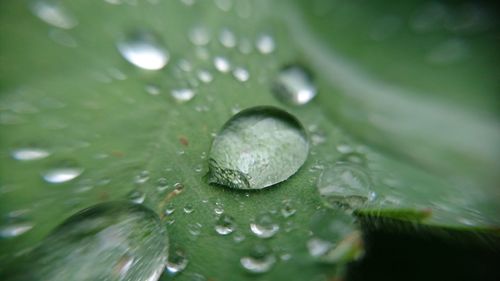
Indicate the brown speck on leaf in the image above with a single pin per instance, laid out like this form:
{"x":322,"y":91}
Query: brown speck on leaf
{"x":178,"y":190}
{"x":183,"y":140}
{"x":117,"y":153}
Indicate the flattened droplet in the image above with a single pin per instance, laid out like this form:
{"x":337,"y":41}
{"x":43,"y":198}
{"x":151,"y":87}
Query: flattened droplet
{"x":29,"y":153}
{"x":294,"y":85}
{"x":63,"y":171}
{"x":53,"y":13}
{"x":257,"y":148}
{"x":144,"y":50}
{"x":108,"y":241}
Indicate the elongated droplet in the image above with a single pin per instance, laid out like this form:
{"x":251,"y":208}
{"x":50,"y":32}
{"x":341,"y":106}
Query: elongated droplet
{"x":144,"y":50}
{"x":294,"y":85}
{"x":108,"y":241}
{"x":53,"y":13}
{"x":29,"y":154}
{"x":345,"y":185}
{"x":257,"y":148}
{"x":61,"y":172}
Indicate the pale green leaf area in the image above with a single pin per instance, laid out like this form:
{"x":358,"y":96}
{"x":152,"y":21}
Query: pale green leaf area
{"x":425,"y":127}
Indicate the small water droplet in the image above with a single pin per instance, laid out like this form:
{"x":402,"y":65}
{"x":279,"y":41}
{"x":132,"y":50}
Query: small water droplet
{"x":53,"y":13}
{"x":294,"y":85}
{"x":144,"y":50}
{"x":195,"y":228}
{"x":345,"y":185}
{"x":184,"y":65}
{"x":245,"y":46}
{"x":265,"y":44}
{"x":29,"y":153}
{"x":136,"y":196}
{"x":170,"y":209}
{"x":199,"y":35}
{"x":62,"y":171}
{"x":177,"y":261}
{"x":287,"y":210}
{"x":238,"y":237}
{"x":257,"y":148}
{"x":224,"y":5}
{"x":152,"y":89}
{"x":241,"y":74}
{"x":108,"y":241}
{"x":264,"y":226}
{"x":219,"y":208}
{"x":227,"y":38}
{"x":260,"y":260}
{"x":225,"y":225}
{"x":183,"y":95}
{"x":62,"y":38}
{"x":142,"y":177}
{"x":449,"y":51}
{"x":188,"y":209}
{"x":11,"y":230}
{"x":205,"y":76}
{"x":222,"y":64}
{"x":318,"y":247}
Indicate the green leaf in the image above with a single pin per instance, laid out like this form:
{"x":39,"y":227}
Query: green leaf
{"x":421,"y":124}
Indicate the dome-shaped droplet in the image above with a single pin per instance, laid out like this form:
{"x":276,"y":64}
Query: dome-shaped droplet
{"x":144,"y":50}
{"x":62,"y":171}
{"x":108,"y":241}
{"x":177,"y":261}
{"x":53,"y":13}
{"x":264,"y":226}
{"x":265,"y":44}
{"x":225,"y":225}
{"x":345,"y":185}
{"x":260,"y":260}
{"x":294,"y":85}
{"x":257,"y":148}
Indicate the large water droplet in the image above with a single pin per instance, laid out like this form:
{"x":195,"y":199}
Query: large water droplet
{"x":29,"y":153}
{"x":257,"y":148}
{"x":61,"y":172}
{"x":109,"y":241}
{"x":264,"y":226}
{"x":144,"y":50}
{"x":225,"y":225}
{"x":345,"y":185}
{"x":53,"y":13}
{"x":294,"y":85}
{"x":260,"y":260}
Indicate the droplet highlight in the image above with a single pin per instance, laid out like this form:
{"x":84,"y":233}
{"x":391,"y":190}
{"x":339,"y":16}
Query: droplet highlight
{"x":144,"y":50}
{"x":294,"y":85}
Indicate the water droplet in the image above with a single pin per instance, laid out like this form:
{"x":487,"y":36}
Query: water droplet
{"x":265,"y":44}
{"x":144,"y":50}
{"x":345,"y":185}
{"x":29,"y":153}
{"x":182,"y":95}
{"x":142,"y":177}
{"x":238,"y":237}
{"x":222,"y":64}
{"x":62,"y":38}
{"x":108,"y":241}
{"x":61,"y":172}
{"x":264,"y":226}
{"x":225,"y":225}
{"x":188,"y":209}
{"x":219,"y":208}
{"x":195,"y":228}
{"x":287,"y":210}
{"x":449,"y":51}
{"x":152,"y":89}
{"x":11,"y":230}
{"x":227,"y":38}
{"x":170,"y":209}
{"x":53,"y":13}
{"x":199,"y":35}
{"x":257,"y":148}
{"x":205,"y":76}
{"x":260,"y":260}
{"x":318,"y":247}
{"x":294,"y":85}
{"x":177,"y":261}
{"x":136,"y":196}
{"x":184,"y":65}
{"x":241,"y":74}
{"x":224,"y":5}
